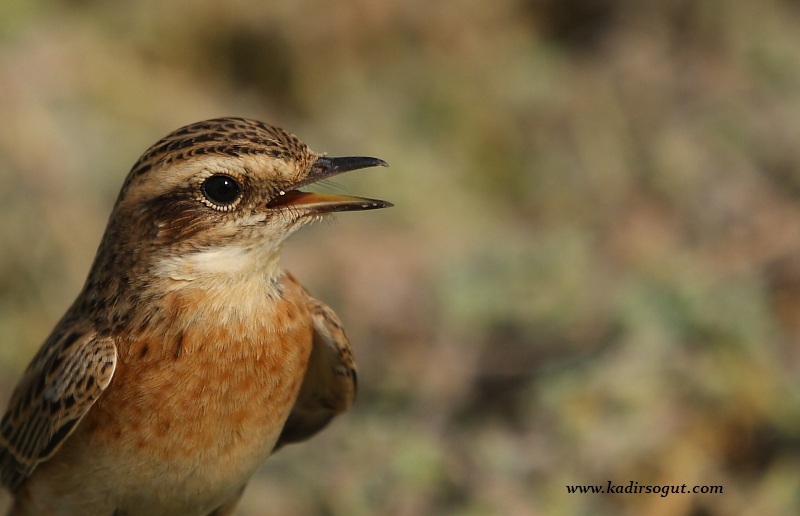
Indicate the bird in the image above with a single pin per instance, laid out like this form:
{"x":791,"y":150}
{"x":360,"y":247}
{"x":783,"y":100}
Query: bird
{"x":190,"y":355}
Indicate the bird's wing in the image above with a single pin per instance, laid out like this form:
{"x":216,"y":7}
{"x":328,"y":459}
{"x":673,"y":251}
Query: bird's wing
{"x":329,"y":385}
{"x":65,"y":378}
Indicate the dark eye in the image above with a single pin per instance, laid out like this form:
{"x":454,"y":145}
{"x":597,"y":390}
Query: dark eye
{"x":221,"y":190}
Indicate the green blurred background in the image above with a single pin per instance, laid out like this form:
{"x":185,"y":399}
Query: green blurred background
{"x":592,"y":271}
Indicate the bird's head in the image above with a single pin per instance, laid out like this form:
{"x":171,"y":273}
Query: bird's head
{"x":218,"y":190}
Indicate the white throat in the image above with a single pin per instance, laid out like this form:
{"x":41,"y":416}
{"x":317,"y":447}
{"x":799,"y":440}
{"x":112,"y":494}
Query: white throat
{"x":219,"y":267}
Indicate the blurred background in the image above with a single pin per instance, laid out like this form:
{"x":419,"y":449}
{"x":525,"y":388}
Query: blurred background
{"x":592,"y":272}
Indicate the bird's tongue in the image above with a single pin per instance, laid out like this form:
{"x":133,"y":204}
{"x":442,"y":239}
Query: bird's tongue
{"x":323,"y":203}
{"x":292,"y":197}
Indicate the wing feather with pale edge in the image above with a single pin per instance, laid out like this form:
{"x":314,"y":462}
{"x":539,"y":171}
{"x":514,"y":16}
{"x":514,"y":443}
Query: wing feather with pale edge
{"x":62,"y":382}
{"x":329,"y":385}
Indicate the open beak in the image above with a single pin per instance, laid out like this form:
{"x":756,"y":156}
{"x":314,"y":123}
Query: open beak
{"x":319,"y":203}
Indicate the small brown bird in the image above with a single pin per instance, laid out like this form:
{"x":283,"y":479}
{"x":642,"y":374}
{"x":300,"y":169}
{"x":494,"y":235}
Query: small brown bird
{"x":190,"y":355}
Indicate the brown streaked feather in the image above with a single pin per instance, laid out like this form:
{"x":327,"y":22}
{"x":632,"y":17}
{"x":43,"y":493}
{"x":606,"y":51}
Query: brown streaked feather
{"x":65,"y":378}
{"x":329,"y":385}
{"x":228,"y":136}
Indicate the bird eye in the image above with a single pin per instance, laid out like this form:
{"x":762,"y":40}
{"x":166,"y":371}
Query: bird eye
{"x":221,"y":190}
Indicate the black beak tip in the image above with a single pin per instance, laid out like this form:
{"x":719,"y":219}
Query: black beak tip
{"x":329,"y":166}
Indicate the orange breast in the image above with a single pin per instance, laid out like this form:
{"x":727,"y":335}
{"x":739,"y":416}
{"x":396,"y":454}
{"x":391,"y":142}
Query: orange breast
{"x":205,"y":395}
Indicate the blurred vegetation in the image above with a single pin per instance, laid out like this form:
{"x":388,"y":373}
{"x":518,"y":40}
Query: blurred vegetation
{"x":592,"y":271}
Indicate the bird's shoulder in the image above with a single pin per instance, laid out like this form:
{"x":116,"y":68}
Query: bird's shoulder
{"x":329,"y":383}
{"x":64,"y":379}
